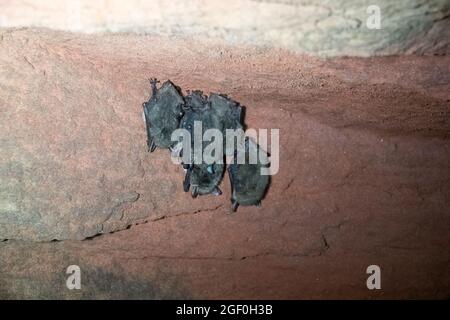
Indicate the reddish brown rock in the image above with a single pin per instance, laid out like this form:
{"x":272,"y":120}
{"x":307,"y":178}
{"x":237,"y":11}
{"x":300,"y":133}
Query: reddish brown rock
{"x":364,"y":175}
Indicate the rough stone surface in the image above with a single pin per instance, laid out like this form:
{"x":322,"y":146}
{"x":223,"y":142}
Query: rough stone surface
{"x":364,"y":176}
{"x":325,"y":27}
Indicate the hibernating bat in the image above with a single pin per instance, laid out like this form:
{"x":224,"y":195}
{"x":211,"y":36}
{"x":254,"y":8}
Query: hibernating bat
{"x":162,"y":112}
{"x":248,"y":185}
{"x":203,"y":178}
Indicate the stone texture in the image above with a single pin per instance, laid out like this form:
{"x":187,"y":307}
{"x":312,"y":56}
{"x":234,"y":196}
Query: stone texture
{"x":363,"y":175}
{"x":325,"y":27}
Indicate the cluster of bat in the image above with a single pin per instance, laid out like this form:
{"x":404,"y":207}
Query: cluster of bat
{"x":167,"y":110}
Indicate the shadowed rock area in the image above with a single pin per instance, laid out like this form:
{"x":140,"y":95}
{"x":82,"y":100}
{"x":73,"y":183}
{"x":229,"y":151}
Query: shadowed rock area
{"x":364,"y":173}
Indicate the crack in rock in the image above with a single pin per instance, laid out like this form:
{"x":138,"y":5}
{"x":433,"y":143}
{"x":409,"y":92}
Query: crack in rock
{"x":315,"y":253}
{"x":184,"y":213}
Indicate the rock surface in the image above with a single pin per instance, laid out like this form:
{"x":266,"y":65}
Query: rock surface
{"x":364,"y":176}
{"x":325,"y":27}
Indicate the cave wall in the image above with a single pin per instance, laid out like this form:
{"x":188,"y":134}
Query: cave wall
{"x":363,"y":173}
{"x":364,"y":152}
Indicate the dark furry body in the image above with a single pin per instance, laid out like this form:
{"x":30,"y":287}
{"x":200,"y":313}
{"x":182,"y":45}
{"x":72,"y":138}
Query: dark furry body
{"x":202,"y":177}
{"x":162,"y":112}
{"x":247,"y":183}
{"x":167,"y":110}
